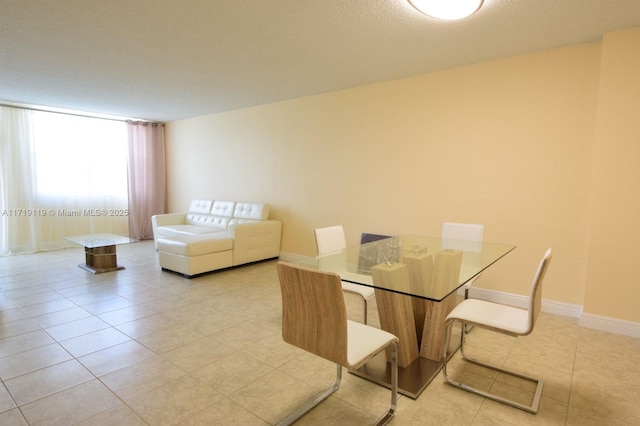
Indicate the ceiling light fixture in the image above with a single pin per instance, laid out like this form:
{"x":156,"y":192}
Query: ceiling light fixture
{"x":447,"y":9}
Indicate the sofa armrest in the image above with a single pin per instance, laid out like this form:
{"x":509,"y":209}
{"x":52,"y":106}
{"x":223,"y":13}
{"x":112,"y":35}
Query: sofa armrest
{"x":164,"y":220}
{"x":253,"y":241}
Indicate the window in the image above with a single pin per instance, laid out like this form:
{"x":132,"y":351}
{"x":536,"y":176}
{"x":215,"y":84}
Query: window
{"x":63,"y":174}
{"x":79,"y":157}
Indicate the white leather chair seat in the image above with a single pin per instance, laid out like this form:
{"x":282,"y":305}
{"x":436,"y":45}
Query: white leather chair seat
{"x":364,"y":340}
{"x":362,"y":290}
{"x":489,"y":314}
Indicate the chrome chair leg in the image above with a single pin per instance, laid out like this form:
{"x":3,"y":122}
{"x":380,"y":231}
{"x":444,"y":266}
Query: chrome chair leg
{"x":304,"y":409}
{"x":394,"y":387}
{"x":317,"y":399}
{"x":467,"y":327}
{"x":532,"y":408}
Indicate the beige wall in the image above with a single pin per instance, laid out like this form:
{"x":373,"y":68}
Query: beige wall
{"x":508,"y":143}
{"x":612,"y":286}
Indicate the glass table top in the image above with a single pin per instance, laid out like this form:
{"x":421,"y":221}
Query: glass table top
{"x":99,"y":240}
{"x":426,"y":267}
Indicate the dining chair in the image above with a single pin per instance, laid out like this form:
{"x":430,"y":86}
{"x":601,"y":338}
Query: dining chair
{"x":466,"y":236}
{"x":314,"y":318}
{"x":332,"y":239}
{"x":503,"y":319}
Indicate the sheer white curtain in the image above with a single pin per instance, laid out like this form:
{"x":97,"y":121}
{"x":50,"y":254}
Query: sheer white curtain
{"x":146,"y":176}
{"x":17,"y":181}
{"x":62,"y":175}
{"x":81,"y":176}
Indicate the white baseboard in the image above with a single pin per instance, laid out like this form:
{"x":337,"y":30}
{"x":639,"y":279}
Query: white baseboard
{"x":596,"y":322}
{"x":611,"y":325}
{"x":517,"y":300}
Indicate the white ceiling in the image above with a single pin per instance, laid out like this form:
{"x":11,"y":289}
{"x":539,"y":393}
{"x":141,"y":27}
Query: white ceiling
{"x":172,"y":59}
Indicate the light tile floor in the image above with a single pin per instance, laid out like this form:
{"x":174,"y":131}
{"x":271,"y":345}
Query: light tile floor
{"x":141,"y":346}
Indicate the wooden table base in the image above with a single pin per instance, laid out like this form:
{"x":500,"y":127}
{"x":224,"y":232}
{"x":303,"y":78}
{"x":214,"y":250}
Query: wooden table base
{"x":412,"y":379}
{"x":100,"y":259}
{"x":418,"y":323}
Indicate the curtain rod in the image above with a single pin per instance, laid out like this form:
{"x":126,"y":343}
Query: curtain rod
{"x":74,"y":113}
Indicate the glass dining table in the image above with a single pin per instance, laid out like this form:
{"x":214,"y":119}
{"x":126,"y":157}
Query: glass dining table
{"x":416,"y":279}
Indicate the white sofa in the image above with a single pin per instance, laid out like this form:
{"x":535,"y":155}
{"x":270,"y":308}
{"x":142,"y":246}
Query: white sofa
{"x":213,"y":235}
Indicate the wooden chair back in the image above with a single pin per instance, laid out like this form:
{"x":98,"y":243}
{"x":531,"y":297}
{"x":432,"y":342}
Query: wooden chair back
{"x":314,"y":316}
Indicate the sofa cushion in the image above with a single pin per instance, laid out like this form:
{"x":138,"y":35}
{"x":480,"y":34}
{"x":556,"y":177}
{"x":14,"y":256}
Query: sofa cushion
{"x":235,"y":221}
{"x":252,"y":211}
{"x":223,"y":208}
{"x":200,"y":206}
{"x":194,"y":245}
{"x":171,"y":230}
{"x":207,"y":221}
